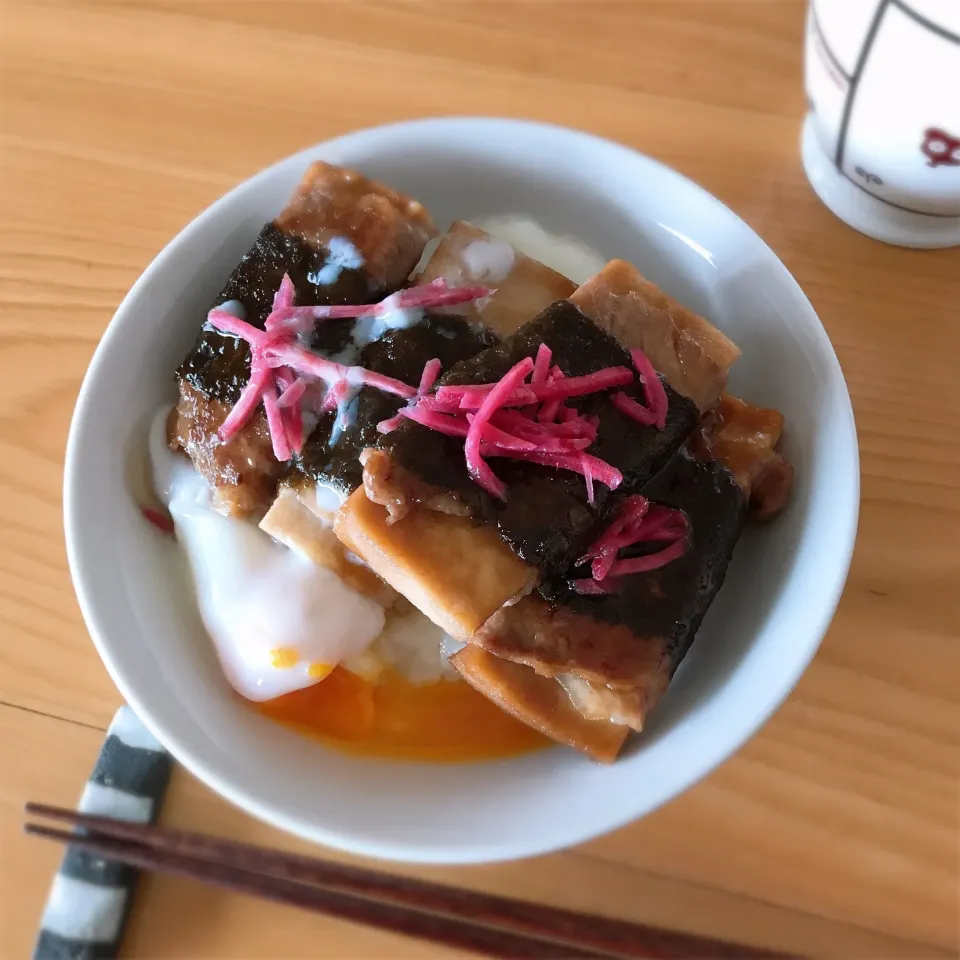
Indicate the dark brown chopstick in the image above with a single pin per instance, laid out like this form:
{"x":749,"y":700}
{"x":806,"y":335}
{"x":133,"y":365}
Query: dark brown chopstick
{"x":438,"y":929}
{"x":484,"y":923}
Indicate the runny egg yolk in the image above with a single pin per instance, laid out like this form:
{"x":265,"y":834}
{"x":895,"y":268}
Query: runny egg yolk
{"x":391,"y":717}
{"x":282,"y":658}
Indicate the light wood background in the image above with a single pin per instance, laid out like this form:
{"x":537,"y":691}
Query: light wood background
{"x":835,"y":831}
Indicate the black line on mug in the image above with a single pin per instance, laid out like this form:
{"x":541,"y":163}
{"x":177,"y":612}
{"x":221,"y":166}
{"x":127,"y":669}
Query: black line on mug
{"x":899,"y":206}
{"x":826,"y":46}
{"x":855,"y":81}
{"x":923,"y":21}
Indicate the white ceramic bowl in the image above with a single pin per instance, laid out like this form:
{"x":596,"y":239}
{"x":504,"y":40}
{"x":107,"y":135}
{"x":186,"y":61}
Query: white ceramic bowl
{"x":781,"y":589}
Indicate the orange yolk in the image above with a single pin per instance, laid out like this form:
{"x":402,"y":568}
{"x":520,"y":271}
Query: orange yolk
{"x":391,"y":717}
{"x":284,"y":657}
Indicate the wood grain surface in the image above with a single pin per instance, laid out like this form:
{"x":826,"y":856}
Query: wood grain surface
{"x":835,"y":831}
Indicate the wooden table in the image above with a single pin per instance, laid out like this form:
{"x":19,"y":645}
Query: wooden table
{"x":835,"y":831}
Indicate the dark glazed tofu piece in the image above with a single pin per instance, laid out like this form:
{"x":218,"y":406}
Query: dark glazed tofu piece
{"x":342,"y":239}
{"x":218,"y":366}
{"x":302,"y":514}
{"x":400,"y":354}
{"x":546,"y":518}
{"x":466,"y":256}
{"x":628,"y":645}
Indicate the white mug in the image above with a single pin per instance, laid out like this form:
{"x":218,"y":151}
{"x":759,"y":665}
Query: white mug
{"x":881,"y":141}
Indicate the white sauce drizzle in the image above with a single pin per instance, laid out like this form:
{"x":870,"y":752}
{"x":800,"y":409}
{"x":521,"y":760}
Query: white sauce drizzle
{"x":365,"y":331}
{"x":341,"y":255}
{"x":235,"y":308}
{"x":488,"y":260}
{"x":328,"y":501}
{"x":347,"y":405}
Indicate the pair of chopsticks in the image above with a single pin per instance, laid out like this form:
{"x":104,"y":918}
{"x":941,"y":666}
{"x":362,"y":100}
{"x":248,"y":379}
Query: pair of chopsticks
{"x":482,"y":923}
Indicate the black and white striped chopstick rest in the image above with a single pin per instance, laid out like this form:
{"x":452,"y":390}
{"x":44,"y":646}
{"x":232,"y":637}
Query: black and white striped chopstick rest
{"x":91,"y":896}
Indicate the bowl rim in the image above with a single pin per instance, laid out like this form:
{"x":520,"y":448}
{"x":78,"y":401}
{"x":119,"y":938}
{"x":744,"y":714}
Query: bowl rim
{"x":465,"y":853}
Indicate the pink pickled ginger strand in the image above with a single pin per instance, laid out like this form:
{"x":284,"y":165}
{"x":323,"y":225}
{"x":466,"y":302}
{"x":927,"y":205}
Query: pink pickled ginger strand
{"x":471,"y":397}
{"x":611,"y":582}
{"x":276,"y":358}
{"x":663,"y":523}
{"x":652,"y":561}
{"x":293,"y":423}
{"x":436,"y":294}
{"x":306,"y":362}
{"x":654,"y":394}
{"x":550,"y":410}
{"x":541,"y":365}
{"x":636,"y":411}
{"x":244,"y":407}
{"x":431,"y":370}
{"x":430,"y":402}
{"x":290,"y":389}
{"x":548,"y":438}
{"x":541,"y":371}
{"x":334,"y":396}
{"x":576,"y":427}
{"x":500,"y":438}
{"x":476,"y":465}
{"x":228,"y":323}
{"x":441,"y":422}
{"x":576,"y":462}
{"x":292,"y":392}
{"x":282,"y":300}
{"x":654,"y":414}
{"x":278,"y":432}
{"x":477,"y":413}
{"x":285,"y":426}
{"x":636,"y":521}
